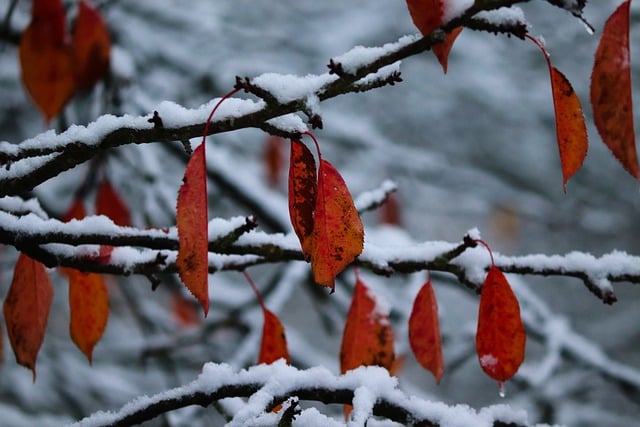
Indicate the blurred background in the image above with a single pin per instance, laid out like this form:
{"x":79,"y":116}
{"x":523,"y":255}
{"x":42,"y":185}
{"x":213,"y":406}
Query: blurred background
{"x":473,"y":148}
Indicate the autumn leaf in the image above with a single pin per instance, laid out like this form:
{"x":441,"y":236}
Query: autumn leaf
{"x":500,"y":337}
{"x":46,"y":60}
{"x":77,"y":210}
{"x":424,"y":331}
{"x":26,"y":310}
{"x":192,"y":224}
{"x":611,"y":90}
{"x":390,"y":211}
{"x":367,"y":339}
{"x":91,"y":46}
{"x":571,"y":130}
{"x":302,"y":194}
{"x":273,"y":159}
{"x":89,"y":306}
{"x":185,"y":311}
{"x":274,"y":341}
{"x":338,"y":234}
{"x":110,"y":204}
{"x":427,"y":15}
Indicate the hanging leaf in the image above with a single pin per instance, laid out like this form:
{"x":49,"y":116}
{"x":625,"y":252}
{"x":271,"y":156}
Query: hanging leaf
{"x":443,"y":49}
{"x":500,"y":338}
{"x":75,"y":211}
{"x":46,"y":60}
{"x":89,"y":306}
{"x":427,"y":15}
{"x":273,"y":159}
{"x":26,"y":310}
{"x":424,"y":331}
{"x":390,"y":211}
{"x":185,"y":311}
{"x":191,"y":221}
{"x":91,"y":46}
{"x":302,"y":194}
{"x":110,"y":204}
{"x":367,"y":339}
{"x":571,"y":130}
{"x":274,"y":341}
{"x":611,"y":90}
{"x":338,"y":234}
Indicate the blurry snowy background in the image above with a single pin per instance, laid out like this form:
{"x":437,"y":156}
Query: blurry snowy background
{"x":474,"y":148}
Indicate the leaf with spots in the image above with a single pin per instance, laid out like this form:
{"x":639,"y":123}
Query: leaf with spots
{"x":424,"y":331}
{"x":500,"y":337}
{"x":571,"y":130}
{"x":89,"y":307}
{"x":367,"y":339}
{"x":611,"y":97}
{"x":26,"y":310}
{"x":91,"y":46}
{"x":302,"y":194}
{"x":338,"y":234}
{"x":192,"y":224}
{"x":46,"y":59}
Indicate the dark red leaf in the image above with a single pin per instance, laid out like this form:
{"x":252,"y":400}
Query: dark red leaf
{"x":110,"y":204}
{"x":273,"y":159}
{"x":302,"y":194}
{"x":91,"y":46}
{"x":424,"y":331}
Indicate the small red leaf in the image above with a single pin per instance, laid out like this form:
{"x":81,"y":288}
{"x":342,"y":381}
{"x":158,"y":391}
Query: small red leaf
{"x":611,"y":97}
{"x":500,"y":338}
{"x":46,"y":60}
{"x":89,"y":306}
{"x":390,"y":212}
{"x":26,"y":310}
{"x":110,"y":204}
{"x":273,"y":159}
{"x":91,"y":46}
{"x":338,"y":234}
{"x":443,"y":49}
{"x":192,"y":224}
{"x":367,"y":339}
{"x":302,"y":194}
{"x":424,"y":331}
{"x":185,"y":311}
{"x":274,"y":341}
{"x":75,"y":211}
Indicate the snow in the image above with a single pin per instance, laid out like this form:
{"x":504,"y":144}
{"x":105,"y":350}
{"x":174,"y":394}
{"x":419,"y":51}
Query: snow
{"x":455,"y":8}
{"x":505,"y":16}
{"x":288,"y":87}
{"x":360,"y":55}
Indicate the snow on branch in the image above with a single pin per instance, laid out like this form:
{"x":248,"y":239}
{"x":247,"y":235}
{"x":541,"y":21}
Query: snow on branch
{"x":370,"y":390}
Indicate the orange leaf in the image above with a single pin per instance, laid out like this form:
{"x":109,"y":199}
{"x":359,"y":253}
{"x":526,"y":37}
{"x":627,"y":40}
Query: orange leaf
{"x":191,"y":221}
{"x":89,"y":306}
{"x":46,"y":60}
{"x":571,"y":130}
{"x":273,"y":159}
{"x":274,"y":341}
{"x":110,"y":204}
{"x":611,"y":90}
{"x":427,"y":16}
{"x":302,"y":194}
{"x":26,"y":310}
{"x":91,"y":46}
{"x":367,"y":339}
{"x":443,"y":49}
{"x":500,"y":338}
{"x":424,"y":331}
{"x":338,"y":234}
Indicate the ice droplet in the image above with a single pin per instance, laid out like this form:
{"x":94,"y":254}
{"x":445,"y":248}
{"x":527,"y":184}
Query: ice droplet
{"x":501,"y":391}
{"x":587,"y":25}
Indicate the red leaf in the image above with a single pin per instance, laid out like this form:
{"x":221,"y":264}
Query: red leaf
{"x":390,"y":212}
{"x":91,"y":46}
{"x":110,"y":204}
{"x":185,"y":311}
{"x":46,"y":60}
{"x":274,"y":341}
{"x":367,"y":339}
{"x":26,"y":310}
{"x":427,"y":16}
{"x":571,"y":130}
{"x":75,"y":211}
{"x":338,"y":234}
{"x":192,"y":224}
{"x":611,"y":90}
{"x":500,"y":338}
{"x":443,"y":49}
{"x":273,"y":159}
{"x":302,"y":194}
{"x":424,"y":331}
{"x":89,"y":306}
